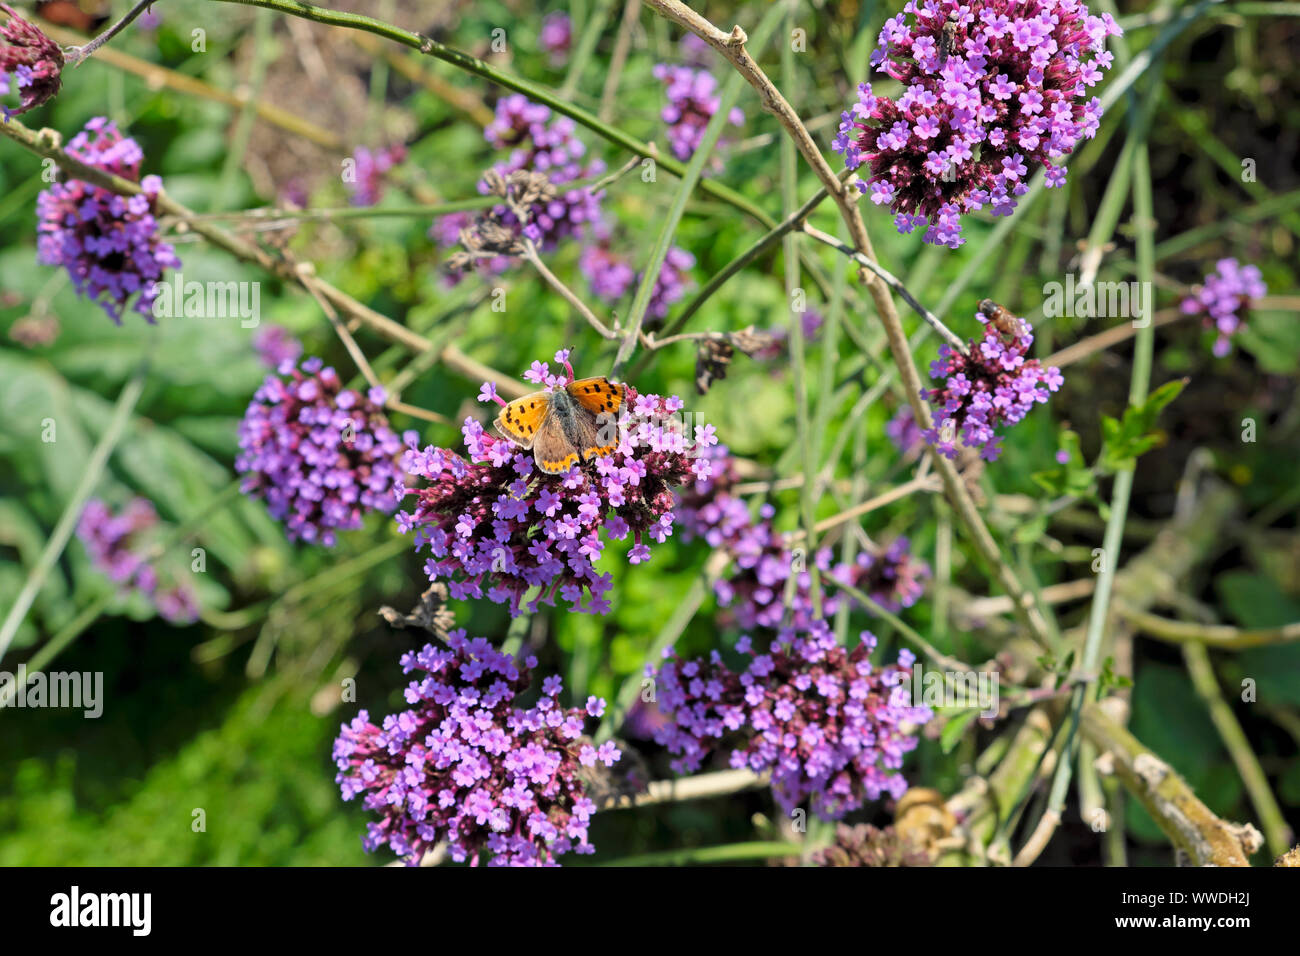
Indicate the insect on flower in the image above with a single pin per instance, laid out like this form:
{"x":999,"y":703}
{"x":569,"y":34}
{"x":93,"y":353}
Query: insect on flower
{"x":948,"y":38}
{"x":572,"y":423}
{"x":1009,"y":326}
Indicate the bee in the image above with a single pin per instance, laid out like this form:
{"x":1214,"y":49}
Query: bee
{"x":948,"y":39}
{"x":1009,"y":326}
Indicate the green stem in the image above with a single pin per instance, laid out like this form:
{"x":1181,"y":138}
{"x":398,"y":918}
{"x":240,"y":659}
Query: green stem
{"x":1276,"y":830}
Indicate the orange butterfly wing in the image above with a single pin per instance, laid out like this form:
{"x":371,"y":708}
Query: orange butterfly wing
{"x":603,"y":399}
{"x":522,"y":419}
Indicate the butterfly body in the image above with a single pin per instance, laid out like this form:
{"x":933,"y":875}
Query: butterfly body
{"x":570,"y":424}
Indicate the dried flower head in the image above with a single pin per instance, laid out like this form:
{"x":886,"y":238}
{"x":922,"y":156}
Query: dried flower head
{"x":32,"y":59}
{"x":543,"y":145}
{"x":866,"y":845}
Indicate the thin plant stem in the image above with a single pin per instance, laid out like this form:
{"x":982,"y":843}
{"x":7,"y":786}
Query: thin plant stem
{"x":1276,"y":831}
{"x":75,"y":56}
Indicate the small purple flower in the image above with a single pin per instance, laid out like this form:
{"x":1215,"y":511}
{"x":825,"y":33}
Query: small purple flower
{"x":119,"y":546}
{"x":556,"y":37}
{"x":319,"y":454}
{"x":830,"y":728}
{"x":464,"y":766}
{"x":905,"y":433}
{"x":108,"y":243}
{"x":371,"y":166}
{"x":1224,"y":299}
{"x":1011,"y":91}
{"x":611,"y":277}
{"x":275,"y":346}
{"x":754,"y":593}
{"x":692,"y":101}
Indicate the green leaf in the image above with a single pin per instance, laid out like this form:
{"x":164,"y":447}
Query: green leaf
{"x":955,"y":727}
{"x":1124,"y":441}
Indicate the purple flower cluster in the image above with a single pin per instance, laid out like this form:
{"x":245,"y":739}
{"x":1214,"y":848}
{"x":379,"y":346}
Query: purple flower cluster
{"x":829,"y":727}
{"x":320,"y":454}
{"x":33,"y":59}
{"x":610,"y":277}
{"x":905,"y":433}
{"x":556,"y":37}
{"x":108,"y":243}
{"x":1223,"y":298}
{"x":275,"y":346}
{"x":464,"y":766}
{"x":993,"y":90}
{"x":119,"y":545}
{"x":495,"y":522}
{"x":755,"y":591}
{"x":992,"y":385}
{"x":692,"y":101}
{"x":371,"y":166}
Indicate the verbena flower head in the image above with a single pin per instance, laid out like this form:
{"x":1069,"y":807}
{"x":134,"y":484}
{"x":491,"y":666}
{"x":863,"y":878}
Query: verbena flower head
{"x":108,"y":243}
{"x":119,"y":545}
{"x":692,"y":101}
{"x":30,"y":62}
{"x":495,"y":524}
{"x":991,"y":385}
{"x":754,"y":592}
{"x":371,"y":166}
{"x":1224,"y":299}
{"x":275,"y":346}
{"x":466,"y":766}
{"x":610,"y":278}
{"x":556,"y":37}
{"x":981,"y":112}
{"x":904,"y":432}
{"x":321,"y":455}
{"x":829,"y":727}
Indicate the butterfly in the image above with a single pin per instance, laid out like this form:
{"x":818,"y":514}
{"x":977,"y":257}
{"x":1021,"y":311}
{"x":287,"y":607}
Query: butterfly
{"x":570,"y":424}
